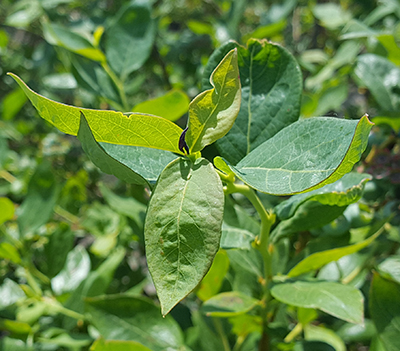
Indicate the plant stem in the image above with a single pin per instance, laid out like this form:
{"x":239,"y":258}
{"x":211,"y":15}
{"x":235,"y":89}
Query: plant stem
{"x":118,"y":83}
{"x":267,"y":220}
{"x":221,"y":333}
{"x":293,"y":333}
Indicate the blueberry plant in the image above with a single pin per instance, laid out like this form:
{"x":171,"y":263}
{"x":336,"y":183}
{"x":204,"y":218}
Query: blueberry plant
{"x":254,"y":233}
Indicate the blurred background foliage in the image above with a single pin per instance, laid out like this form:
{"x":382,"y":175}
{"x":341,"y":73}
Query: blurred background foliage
{"x":67,"y":231}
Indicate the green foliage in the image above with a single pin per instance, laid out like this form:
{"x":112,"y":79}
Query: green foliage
{"x":270,"y":222}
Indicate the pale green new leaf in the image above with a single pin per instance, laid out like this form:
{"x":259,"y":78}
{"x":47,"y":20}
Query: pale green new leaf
{"x":319,"y":259}
{"x":213,"y":112}
{"x":108,"y":126}
{"x":305,"y":156}
{"x":183,"y":228}
{"x":342,"y":301}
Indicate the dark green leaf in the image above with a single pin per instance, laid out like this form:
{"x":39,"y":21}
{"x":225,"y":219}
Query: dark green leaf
{"x":385,"y":311}
{"x":271,"y":91}
{"x":129,"y":38}
{"x":343,"y":192}
{"x":121,"y":317}
{"x":305,"y":156}
{"x":37,"y":208}
{"x":183,"y":228}
{"x":341,"y":301}
{"x":382,"y":78}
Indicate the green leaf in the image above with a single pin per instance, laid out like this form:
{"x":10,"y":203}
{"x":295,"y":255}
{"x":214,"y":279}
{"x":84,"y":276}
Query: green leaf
{"x":59,"y":244}
{"x":37,"y":208}
{"x":213,"y":112}
{"x":56,"y":34}
{"x":122,"y":317}
{"x":102,"y":159}
{"x":382,"y":78}
{"x":116,"y":345}
{"x":229,"y":304}
{"x":6,"y":210}
{"x":76,"y":269}
{"x":10,"y":344}
{"x":108,"y":126}
{"x":183,"y":228}
{"x":305,"y":156}
{"x":341,"y":301}
{"x":212,"y":282}
{"x":147,"y":162}
{"x":171,"y":106}
{"x":10,"y":293}
{"x":130,"y":37}
{"x":9,"y":252}
{"x":316,"y":333}
{"x":343,"y":192}
{"x":271,"y":92}
{"x":310,"y":215}
{"x":332,"y":16}
{"x":319,"y":259}
{"x":12,"y":104}
{"x":384,"y":299}
{"x":390,"y":268}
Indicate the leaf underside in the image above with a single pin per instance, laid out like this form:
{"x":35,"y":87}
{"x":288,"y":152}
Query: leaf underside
{"x":183,"y":228}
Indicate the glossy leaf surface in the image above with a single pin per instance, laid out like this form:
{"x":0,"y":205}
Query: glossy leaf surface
{"x":108,"y":126}
{"x":271,"y":90}
{"x":390,"y":268}
{"x":341,"y":301}
{"x":183,"y":228}
{"x":385,"y":311}
{"x":305,"y":156}
{"x":213,"y":112}
{"x":122,"y":317}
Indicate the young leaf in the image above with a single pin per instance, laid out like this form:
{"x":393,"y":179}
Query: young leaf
{"x":271,"y":92}
{"x":305,"y":156}
{"x":213,"y":112}
{"x":131,"y":164}
{"x":341,"y":301}
{"x":183,"y":228}
{"x":117,"y":345}
{"x":385,"y":311}
{"x":130,"y":37}
{"x":123,"y":317}
{"x":108,"y":126}
{"x":319,"y":259}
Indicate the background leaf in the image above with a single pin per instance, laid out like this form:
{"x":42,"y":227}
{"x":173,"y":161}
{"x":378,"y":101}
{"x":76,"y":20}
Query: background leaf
{"x":117,"y":345}
{"x":183,"y":228}
{"x":341,"y":301}
{"x":305,"y":156}
{"x":122,"y":317}
{"x":171,"y":106}
{"x":271,"y":91}
{"x":130,"y":37}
